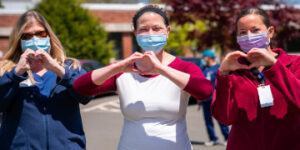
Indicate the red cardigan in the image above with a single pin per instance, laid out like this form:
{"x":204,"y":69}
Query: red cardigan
{"x":236,"y":103}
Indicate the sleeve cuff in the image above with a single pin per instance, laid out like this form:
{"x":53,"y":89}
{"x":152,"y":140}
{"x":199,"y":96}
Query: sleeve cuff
{"x":189,"y":87}
{"x":85,"y":86}
{"x":271,"y":72}
{"x":224,"y":80}
{"x":66,"y":79}
{"x":199,"y":87}
{"x":14,"y":76}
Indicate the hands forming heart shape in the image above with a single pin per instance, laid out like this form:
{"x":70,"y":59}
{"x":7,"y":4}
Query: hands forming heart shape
{"x":144,"y":64}
{"x":257,"y":57}
{"x":30,"y":58}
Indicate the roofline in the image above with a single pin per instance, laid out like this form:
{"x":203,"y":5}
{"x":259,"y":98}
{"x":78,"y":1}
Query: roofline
{"x":121,"y":7}
{"x":271,"y":7}
{"x":106,"y":6}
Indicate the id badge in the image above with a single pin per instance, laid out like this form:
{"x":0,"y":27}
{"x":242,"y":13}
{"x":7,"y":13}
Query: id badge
{"x":25,"y":83}
{"x":265,"y":96}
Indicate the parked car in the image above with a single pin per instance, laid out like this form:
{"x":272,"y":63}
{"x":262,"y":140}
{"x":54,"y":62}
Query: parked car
{"x":89,"y":65}
{"x":0,"y":118}
{"x":200,"y":63}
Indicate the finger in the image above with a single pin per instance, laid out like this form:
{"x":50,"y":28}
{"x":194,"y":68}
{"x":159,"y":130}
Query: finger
{"x":137,"y":54}
{"x":149,"y":58}
{"x":40,"y":52}
{"x":129,"y":63}
{"x":150,"y":53}
{"x":41,"y":55}
{"x":134,"y":58}
{"x":239,"y":53}
{"x":253,"y":65}
{"x":240,"y":66}
{"x":234,"y":55}
{"x":259,"y":51}
{"x":134,"y":69}
{"x":29,"y":52}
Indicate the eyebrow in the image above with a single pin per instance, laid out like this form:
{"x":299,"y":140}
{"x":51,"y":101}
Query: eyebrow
{"x":34,"y":32}
{"x":250,"y":28}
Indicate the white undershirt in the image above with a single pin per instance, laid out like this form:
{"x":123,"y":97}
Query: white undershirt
{"x":154,"y":112}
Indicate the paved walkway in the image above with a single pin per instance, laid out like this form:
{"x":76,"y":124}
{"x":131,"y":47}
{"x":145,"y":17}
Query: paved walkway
{"x":103,"y":121}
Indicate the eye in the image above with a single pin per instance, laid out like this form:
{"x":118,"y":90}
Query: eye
{"x":143,"y":30}
{"x":26,"y":36}
{"x":157,"y":28}
{"x":242,"y":33}
{"x":41,"y":34}
{"x":255,"y":30}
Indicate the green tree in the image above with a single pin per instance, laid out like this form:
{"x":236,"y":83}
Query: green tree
{"x":179,"y":41}
{"x":1,"y":6}
{"x":80,"y":33}
{"x":219,"y":16}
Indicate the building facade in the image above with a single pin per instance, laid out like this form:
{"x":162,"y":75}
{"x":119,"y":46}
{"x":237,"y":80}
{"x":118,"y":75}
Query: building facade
{"x":116,"y":19}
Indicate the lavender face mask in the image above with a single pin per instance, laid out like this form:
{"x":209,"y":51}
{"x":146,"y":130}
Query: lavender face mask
{"x":247,"y":42}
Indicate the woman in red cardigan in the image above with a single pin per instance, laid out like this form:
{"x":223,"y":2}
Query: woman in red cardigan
{"x":258,"y":89}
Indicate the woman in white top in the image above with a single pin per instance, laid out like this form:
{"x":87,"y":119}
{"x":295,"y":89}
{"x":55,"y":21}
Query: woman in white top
{"x":153,"y":87}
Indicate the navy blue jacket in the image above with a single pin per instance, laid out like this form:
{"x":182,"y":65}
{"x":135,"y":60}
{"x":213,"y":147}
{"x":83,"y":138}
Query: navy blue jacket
{"x":210,"y":73}
{"x":45,"y":116}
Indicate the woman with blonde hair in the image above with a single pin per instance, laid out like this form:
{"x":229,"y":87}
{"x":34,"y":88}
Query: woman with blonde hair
{"x":40,"y":109}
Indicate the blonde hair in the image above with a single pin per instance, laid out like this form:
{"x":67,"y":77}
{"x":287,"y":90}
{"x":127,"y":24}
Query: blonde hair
{"x":14,"y":51}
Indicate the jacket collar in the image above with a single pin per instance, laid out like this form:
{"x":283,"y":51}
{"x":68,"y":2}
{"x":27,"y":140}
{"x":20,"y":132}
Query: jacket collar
{"x":283,"y":56}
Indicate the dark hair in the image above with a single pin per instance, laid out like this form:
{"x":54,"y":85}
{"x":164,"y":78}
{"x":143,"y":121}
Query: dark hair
{"x":149,"y":8}
{"x":256,"y":11}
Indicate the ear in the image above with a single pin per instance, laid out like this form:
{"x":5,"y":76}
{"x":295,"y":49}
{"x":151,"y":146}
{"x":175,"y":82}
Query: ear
{"x":135,"y":33}
{"x":271,"y":32}
{"x":168,"y":31}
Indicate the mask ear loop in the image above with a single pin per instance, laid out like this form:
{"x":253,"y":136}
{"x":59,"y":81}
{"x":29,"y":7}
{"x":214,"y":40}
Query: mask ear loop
{"x":269,"y":41}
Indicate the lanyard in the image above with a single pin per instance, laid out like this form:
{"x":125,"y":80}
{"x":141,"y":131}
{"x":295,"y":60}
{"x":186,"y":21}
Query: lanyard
{"x":259,"y":76}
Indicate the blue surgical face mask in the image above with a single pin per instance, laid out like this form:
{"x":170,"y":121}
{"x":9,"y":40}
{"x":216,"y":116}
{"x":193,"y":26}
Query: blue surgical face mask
{"x":152,"y":42}
{"x":36,"y":43}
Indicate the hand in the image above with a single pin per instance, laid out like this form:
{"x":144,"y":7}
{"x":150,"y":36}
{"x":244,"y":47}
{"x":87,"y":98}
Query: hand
{"x":49,"y":63}
{"x":127,"y":65}
{"x":23,"y":64}
{"x":154,"y":65}
{"x":46,"y":60}
{"x":260,"y":57}
{"x":230,"y":63}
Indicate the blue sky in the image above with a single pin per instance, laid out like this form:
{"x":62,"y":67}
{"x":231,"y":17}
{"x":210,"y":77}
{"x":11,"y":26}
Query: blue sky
{"x":292,"y":1}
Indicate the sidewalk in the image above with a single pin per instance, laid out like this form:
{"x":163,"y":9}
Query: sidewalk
{"x":103,"y":128}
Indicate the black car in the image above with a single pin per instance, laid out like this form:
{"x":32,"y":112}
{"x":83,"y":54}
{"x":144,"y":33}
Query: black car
{"x":198,"y":61}
{"x":90,"y":65}
{"x":0,"y":118}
